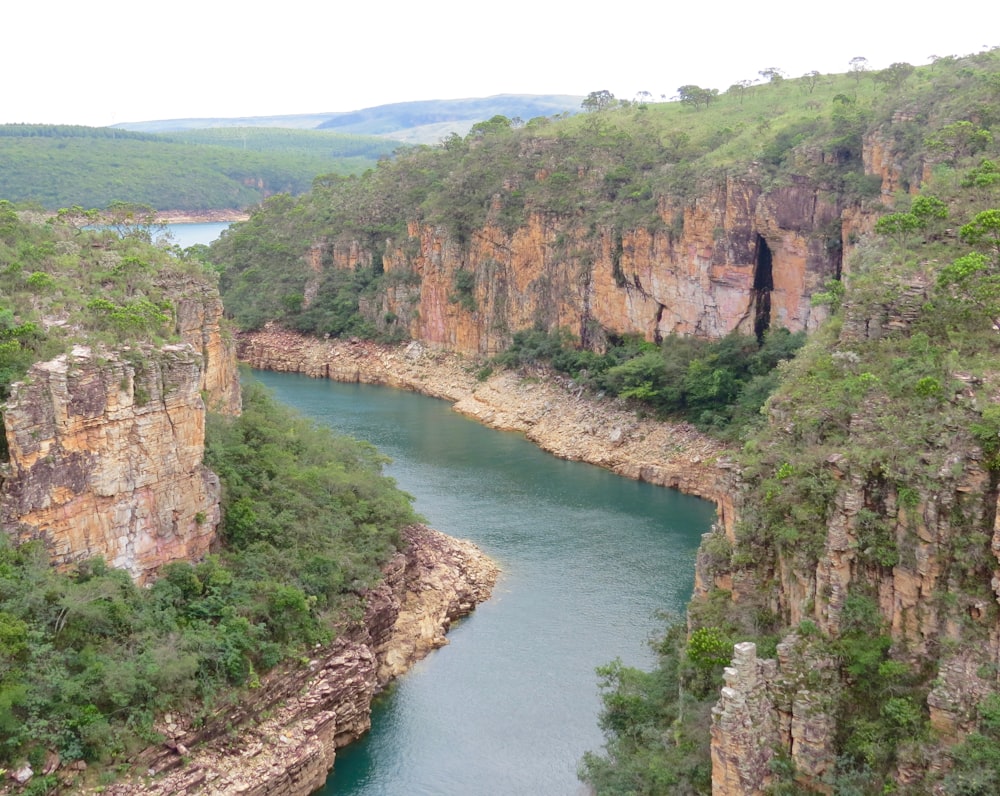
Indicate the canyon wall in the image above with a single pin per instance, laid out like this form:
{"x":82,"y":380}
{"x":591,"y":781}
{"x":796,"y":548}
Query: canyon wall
{"x":923,"y":552}
{"x":105,"y":447}
{"x":735,"y":258}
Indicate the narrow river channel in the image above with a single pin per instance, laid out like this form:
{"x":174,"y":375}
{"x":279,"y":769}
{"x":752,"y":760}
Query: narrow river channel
{"x":588,"y":559}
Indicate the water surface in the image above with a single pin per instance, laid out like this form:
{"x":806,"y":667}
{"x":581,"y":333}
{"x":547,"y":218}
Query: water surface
{"x":588,"y":559}
{"x":185,"y":235}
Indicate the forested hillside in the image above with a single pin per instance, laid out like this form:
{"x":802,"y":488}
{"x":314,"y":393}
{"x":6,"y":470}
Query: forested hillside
{"x":858,"y":552}
{"x":61,"y":166}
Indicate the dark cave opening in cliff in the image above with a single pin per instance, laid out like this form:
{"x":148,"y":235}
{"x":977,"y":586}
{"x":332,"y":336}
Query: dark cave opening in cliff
{"x":763,"y":284}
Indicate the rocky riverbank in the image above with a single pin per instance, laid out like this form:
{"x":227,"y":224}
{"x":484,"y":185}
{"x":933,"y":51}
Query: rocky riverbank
{"x":549,"y":409}
{"x":281,"y":738}
{"x":200,"y":217}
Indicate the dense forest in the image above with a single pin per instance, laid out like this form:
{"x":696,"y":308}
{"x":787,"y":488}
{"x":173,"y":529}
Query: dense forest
{"x":60,"y":166}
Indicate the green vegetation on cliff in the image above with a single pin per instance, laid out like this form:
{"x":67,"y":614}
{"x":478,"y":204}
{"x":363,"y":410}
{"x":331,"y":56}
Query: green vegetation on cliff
{"x":88,"y":659}
{"x":619,"y":168}
{"x":61,"y":284}
{"x":719,"y":386}
{"x":873,"y":489}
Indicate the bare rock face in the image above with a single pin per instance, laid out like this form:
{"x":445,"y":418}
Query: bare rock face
{"x":736,"y":258}
{"x":740,"y":752}
{"x":199,"y":316}
{"x":289,"y":729}
{"x":106,"y":447}
{"x":768,"y":705}
{"x":106,"y":459}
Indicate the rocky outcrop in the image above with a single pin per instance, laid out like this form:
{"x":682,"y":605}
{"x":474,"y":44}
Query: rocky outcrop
{"x":773,"y":705}
{"x":106,"y":459}
{"x":105,"y":446}
{"x":916,"y":547}
{"x":281,"y":738}
{"x":552,"y":412}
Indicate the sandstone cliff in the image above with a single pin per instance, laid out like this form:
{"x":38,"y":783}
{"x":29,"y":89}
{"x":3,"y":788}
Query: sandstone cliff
{"x":736,"y":258}
{"x":106,"y":459}
{"x":105,"y":446}
{"x":281,"y":739}
{"x":893,"y":555}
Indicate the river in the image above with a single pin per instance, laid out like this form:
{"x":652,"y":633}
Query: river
{"x":588,"y":559}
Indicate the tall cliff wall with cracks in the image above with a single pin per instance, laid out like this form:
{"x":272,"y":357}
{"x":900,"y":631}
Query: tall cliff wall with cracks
{"x":105,"y":446}
{"x":877,"y":545}
{"x":736,"y":258}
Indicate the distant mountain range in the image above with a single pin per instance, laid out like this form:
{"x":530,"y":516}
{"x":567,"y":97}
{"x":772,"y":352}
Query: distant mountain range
{"x":422,"y":122}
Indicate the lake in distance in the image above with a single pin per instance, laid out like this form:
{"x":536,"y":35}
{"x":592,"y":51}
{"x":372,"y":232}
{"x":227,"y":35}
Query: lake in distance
{"x":589,"y":559}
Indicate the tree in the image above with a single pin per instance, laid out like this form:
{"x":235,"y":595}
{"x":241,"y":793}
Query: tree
{"x":740,"y":88}
{"x":859,"y":65}
{"x":772,"y":74}
{"x":958,"y":140}
{"x":901,"y":225}
{"x":984,"y":232}
{"x":984,"y":178}
{"x":695,"y":95}
{"x":134,"y":220}
{"x":975,"y":277}
{"x":76,"y":217}
{"x":495,"y":125}
{"x":810,"y":80}
{"x":598,"y":101}
{"x":895,"y":74}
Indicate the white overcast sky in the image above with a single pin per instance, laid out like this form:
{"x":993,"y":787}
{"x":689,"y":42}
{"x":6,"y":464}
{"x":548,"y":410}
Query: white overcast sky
{"x":100,"y":62}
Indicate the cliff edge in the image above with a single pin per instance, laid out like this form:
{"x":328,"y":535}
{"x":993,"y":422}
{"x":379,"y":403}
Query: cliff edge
{"x":289,"y":729}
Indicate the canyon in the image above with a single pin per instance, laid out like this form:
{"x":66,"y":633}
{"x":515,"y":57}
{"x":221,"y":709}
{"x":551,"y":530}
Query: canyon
{"x":109,"y":444}
{"x":550,"y":411}
{"x":105,"y":459}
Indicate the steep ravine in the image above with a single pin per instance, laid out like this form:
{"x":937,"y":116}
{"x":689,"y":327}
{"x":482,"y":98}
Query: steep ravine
{"x":106,"y":459}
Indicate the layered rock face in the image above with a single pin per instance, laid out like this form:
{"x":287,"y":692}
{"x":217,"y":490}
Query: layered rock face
{"x":294,"y":723}
{"x":199,"y":323}
{"x":925,"y":553}
{"x":736,"y":258}
{"x":106,"y":459}
{"x":106,"y":446}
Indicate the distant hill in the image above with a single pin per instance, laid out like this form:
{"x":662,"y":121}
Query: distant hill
{"x":195,"y":172}
{"x":202,"y":165}
{"x":422,"y":122}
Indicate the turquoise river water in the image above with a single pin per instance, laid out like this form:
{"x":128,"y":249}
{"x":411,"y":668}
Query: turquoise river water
{"x":589,"y":559}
